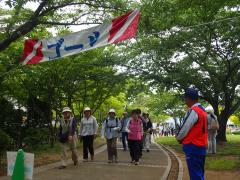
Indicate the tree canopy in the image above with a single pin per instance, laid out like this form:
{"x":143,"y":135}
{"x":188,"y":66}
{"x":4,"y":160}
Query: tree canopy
{"x":191,"y":44}
{"x":180,"y":44}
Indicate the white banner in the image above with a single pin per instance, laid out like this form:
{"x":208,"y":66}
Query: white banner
{"x":119,"y":29}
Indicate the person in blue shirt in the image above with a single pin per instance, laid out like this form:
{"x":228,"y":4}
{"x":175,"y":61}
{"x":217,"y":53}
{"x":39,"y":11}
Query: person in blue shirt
{"x":124,"y":122}
{"x":110,"y":130}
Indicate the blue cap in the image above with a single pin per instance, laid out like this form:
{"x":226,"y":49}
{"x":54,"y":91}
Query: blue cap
{"x":191,"y":93}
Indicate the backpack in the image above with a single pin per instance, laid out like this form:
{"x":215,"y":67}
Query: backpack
{"x":116,"y":119}
{"x":214,"y":123}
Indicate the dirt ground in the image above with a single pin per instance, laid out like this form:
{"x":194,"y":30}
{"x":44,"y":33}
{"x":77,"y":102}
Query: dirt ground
{"x":209,"y":174}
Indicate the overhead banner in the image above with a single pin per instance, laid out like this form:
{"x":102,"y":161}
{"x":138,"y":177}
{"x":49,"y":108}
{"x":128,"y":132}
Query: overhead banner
{"x":41,"y":50}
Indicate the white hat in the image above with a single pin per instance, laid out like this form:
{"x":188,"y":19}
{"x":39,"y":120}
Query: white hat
{"x":112,"y":111}
{"x":66,"y":109}
{"x":209,"y":109}
{"x":86,"y":109}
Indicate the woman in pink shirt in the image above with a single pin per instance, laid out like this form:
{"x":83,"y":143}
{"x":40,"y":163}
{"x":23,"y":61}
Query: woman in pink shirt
{"x":135,"y":133}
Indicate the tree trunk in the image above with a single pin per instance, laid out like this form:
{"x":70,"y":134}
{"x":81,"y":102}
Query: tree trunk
{"x":50,"y":126}
{"x":222,"y":119}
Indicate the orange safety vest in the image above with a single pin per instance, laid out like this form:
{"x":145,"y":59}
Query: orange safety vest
{"x":198,"y":134}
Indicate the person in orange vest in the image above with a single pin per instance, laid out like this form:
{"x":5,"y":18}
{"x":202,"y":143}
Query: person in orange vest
{"x":193,"y":135}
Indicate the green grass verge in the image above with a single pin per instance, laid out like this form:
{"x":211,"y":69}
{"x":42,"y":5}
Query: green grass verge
{"x":227,"y":157}
{"x":222,"y":164}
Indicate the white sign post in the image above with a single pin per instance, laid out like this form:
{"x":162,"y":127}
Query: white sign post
{"x":28,"y":163}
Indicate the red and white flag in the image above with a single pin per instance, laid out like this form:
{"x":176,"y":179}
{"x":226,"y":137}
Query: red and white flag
{"x":121,"y":28}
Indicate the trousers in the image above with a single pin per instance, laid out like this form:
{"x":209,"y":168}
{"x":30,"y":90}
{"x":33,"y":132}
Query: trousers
{"x":135,"y":149}
{"x":72,"y":145}
{"x":88,"y":146}
{"x":124,"y":140}
{"x":195,"y":165}
{"x":112,"y":148}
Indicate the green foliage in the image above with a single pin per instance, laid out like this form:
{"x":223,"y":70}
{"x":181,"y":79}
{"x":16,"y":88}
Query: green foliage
{"x":36,"y":137}
{"x":188,"y":51}
{"x":160,"y":105}
{"x":5,"y":141}
{"x":235,"y":118}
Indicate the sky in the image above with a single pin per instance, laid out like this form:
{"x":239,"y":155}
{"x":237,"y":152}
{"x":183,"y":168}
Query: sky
{"x":34,"y":5}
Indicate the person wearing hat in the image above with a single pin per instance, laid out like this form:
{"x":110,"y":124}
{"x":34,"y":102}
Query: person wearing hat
{"x":213,"y":126}
{"x":110,"y":130}
{"x":193,"y":135}
{"x":88,"y":131}
{"x":68,"y":137}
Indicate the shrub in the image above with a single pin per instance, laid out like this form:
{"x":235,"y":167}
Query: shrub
{"x":5,"y":141}
{"x":236,"y":132}
{"x":36,"y":137}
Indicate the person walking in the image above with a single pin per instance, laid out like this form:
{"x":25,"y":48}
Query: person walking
{"x":88,"y":131}
{"x":110,"y":130}
{"x":68,"y":137}
{"x":147,"y":129}
{"x":213,"y":126}
{"x":193,"y":135}
{"x":135,"y":133}
{"x":124,"y":122}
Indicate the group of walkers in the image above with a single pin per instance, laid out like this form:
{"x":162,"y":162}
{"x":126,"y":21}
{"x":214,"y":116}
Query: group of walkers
{"x":135,"y":132}
{"x":197,"y":134}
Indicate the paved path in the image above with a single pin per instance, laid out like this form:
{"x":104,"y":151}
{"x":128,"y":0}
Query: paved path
{"x":154,"y":165}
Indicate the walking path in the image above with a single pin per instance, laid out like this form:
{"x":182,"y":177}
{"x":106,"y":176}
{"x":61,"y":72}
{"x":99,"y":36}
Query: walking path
{"x":154,"y":165}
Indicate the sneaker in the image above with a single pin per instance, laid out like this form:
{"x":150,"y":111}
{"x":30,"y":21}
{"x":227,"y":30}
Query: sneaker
{"x":62,"y":167}
{"x":136,"y":163}
{"x":132,"y":161}
{"x":75,"y":163}
{"x":148,"y":150}
{"x":85,"y":160}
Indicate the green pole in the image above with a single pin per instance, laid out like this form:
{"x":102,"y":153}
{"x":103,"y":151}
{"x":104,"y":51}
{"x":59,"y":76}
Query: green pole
{"x":18,"y":171}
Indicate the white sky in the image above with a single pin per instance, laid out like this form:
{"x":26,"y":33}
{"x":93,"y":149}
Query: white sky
{"x":34,"y":5}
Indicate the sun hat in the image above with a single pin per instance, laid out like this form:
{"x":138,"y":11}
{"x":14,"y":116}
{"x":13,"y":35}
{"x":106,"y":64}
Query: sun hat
{"x":209,"y":109}
{"x":86,"y":109}
{"x":66,"y":109}
{"x":112,"y":111}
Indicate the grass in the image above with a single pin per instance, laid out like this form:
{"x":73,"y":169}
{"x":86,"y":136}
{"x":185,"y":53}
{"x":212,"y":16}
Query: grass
{"x":227,"y":157}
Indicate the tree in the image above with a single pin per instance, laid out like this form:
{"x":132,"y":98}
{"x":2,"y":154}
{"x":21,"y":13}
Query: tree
{"x":235,"y":118}
{"x":78,"y":81}
{"x":18,"y":19}
{"x":185,"y":50}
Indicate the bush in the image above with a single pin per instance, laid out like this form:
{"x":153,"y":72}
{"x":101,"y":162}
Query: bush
{"x":5,"y":141}
{"x":236,"y":132}
{"x":36,"y":137}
